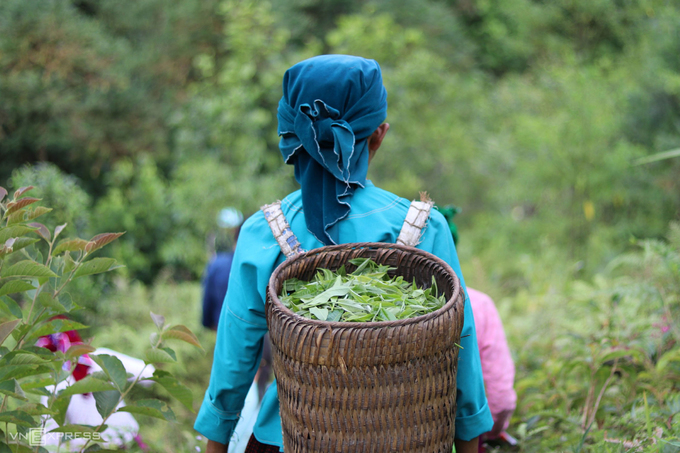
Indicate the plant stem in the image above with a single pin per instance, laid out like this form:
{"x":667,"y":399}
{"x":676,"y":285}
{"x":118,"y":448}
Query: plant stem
{"x":601,"y":394}
{"x":35,"y":297}
{"x":120,"y":400}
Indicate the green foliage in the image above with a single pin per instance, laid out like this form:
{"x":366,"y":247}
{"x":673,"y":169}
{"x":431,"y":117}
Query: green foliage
{"x":59,"y":190}
{"x":368,"y":293}
{"x":598,"y":360}
{"x":541,"y":119}
{"x":137,"y":201}
{"x":37,"y":281}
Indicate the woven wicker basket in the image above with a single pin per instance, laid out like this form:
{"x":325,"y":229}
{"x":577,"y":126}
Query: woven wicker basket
{"x":371,"y":386}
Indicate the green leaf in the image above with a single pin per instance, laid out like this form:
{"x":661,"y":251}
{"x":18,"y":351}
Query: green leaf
{"x":70,"y":245}
{"x":113,"y":368}
{"x":106,"y":401}
{"x":74,"y":429}
{"x":60,"y":406}
{"x":21,"y":357}
{"x":87,"y":385}
{"x":35,"y":213}
{"x":667,"y":358}
{"x":18,"y":418}
{"x":94,"y":266}
{"x":46,"y":300}
{"x":69,"y":264}
{"x":55,"y":326}
{"x":35,"y":409}
{"x":319,"y":313}
{"x":171,"y":352}
{"x":27,"y":268}
{"x":334,"y":316}
{"x":7,"y":328}
{"x":11,"y":306}
{"x":158,"y":356}
{"x":13,"y":389}
{"x":15,"y":286}
{"x":152,"y":408}
{"x":76,"y":350}
{"x":67,"y":302}
{"x":14,"y":232}
{"x":182,"y":333}
{"x":174,"y":387}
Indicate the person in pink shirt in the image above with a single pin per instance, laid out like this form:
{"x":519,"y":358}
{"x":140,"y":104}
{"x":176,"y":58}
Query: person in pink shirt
{"x":498,"y":367}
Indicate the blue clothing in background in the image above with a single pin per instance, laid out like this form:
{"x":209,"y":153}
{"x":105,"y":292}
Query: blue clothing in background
{"x":376,"y":216}
{"x":215,"y":285}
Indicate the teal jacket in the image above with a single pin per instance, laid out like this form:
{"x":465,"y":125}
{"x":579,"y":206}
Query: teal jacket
{"x":376,"y":216}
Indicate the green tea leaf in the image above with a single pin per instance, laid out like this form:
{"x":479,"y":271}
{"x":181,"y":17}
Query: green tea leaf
{"x":152,"y":408}
{"x":14,"y":232}
{"x":88,"y":384}
{"x":35,"y":409}
{"x":70,"y":245}
{"x":55,"y":326}
{"x":15,"y":286}
{"x":94,"y":266}
{"x":19,"y":418}
{"x":158,"y":356}
{"x":174,"y":387}
{"x":35,"y":213}
{"x":319,"y":313}
{"x":78,"y":349}
{"x":113,"y":368}
{"x":7,"y":328}
{"x":27,"y":268}
{"x":183,"y":333}
{"x":13,"y":389}
{"x":106,"y":402}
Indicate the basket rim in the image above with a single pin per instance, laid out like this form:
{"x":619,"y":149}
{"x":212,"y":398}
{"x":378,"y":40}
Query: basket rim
{"x":274,"y":297}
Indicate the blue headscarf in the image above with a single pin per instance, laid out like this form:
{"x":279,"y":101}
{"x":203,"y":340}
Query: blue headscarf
{"x":331,"y":104}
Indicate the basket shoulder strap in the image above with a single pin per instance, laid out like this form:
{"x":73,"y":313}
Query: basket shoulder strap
{"x":290,"y":246}
{"x":416,"y":220}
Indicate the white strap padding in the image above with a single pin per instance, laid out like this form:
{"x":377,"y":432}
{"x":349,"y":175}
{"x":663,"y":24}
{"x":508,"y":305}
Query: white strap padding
{"x":416,"y":220}
{"x":290,"y":246}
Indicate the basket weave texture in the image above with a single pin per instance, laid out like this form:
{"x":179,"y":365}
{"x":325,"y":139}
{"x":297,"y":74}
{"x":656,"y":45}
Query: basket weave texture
{"x":367,"y":386}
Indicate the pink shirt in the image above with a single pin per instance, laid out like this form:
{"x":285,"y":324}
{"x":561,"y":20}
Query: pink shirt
{"x":498,"y":368}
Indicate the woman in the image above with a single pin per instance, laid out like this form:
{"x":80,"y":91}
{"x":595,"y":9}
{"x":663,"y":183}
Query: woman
{"x":331,"y":126}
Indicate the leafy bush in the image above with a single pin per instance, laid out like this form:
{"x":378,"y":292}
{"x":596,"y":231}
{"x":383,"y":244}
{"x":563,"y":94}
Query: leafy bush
{"x":599,"y":361}
{"x":37,"y":280}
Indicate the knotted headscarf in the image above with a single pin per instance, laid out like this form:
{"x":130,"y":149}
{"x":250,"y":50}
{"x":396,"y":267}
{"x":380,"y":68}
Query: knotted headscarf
{"x":331,"y":104}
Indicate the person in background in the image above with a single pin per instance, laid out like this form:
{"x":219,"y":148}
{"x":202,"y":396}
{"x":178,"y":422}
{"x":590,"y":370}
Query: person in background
{"x":498,"y":368}
{"x":216,"y":280}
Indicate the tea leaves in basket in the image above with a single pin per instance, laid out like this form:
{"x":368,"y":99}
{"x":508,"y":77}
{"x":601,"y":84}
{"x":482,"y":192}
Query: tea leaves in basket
{"x":367,"y":294}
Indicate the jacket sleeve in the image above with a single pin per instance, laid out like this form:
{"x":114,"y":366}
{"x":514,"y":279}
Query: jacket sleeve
{"x":240,"y":331}
{"x":473,"y":417}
